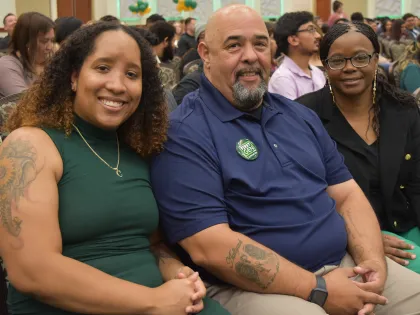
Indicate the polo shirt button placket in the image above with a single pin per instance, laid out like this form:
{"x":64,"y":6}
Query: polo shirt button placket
{"x":275,"y":145}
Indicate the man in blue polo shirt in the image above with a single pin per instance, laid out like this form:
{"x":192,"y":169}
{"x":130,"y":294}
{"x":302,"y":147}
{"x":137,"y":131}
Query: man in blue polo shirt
{"x":252,"y":188}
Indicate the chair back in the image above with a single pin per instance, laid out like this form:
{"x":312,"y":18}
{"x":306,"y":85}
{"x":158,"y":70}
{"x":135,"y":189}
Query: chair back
{"x":191,"y":67}
{"x":168,"y":76}
{"x":386,"y":44}
{"x":397,"y":50}
{"x":3,"y":290}
{"x":394,"y":73}
{"x":7,"y":104}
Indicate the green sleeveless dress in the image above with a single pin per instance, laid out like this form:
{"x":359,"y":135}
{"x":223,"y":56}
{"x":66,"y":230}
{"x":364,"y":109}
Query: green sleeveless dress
{"x":105,"y":220}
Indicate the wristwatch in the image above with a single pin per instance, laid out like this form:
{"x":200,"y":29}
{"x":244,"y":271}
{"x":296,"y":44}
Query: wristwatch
{"x":319,"y":295}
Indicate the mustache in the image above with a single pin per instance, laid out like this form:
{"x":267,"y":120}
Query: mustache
{"x":245,"y":70}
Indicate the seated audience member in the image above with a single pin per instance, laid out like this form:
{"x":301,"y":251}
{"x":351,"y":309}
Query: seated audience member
{"x":296,"y":37}
{"x":377,"y":129}
{"x":31,"y":47}
{"x":386,"y":29}
{"x":410,"y":67}
{"x":338,"y":9}
{"x":78,"y":230}
{"x":154,"y":41}
{"x":398,"y":31}
{"x":9,"y":23}
{"x":318,"y":21}
{"x":273,"y":46}
{"x":410,"y":23}
{"x":153,"y":19}
{"x":341,"y":21}
{"x":66,"y":26}
{"x":357,"y":17}
{"x":315,"y":60}
{"x":165,"y":33}
{"x":109,"y":18}
{"x":191,"y":81}
{"x":325,"y":28}
{"x":187,"y":40}
{"x":372,"y":24}
{"x":192,"y":54}
{"x":150,"y":37}
{"x":251,"y":186}
{"x":178,"y":31}
{"x":188,"y":84}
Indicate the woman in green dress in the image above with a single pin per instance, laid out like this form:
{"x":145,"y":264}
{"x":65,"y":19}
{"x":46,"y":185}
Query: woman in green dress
{"x":78,"y":216}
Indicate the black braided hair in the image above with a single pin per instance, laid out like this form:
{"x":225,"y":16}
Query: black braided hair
{"x":383,"y":87}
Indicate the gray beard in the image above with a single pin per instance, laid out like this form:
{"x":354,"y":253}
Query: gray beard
{"x":248,"y":99}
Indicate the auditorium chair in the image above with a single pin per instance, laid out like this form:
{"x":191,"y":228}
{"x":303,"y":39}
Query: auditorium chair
{"x":3,"y":290}
{"x":6,"y":105}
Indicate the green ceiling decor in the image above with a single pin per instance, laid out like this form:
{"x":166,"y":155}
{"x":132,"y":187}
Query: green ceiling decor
{"x":140,"y":7}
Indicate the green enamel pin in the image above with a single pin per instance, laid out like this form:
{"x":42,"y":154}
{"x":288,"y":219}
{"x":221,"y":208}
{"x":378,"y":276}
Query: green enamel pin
{"x":247,"y":149}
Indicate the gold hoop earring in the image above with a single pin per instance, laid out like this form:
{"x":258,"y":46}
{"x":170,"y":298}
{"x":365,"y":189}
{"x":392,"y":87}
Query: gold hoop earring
{"x":374,"y":86}
{"x":331,"y":91}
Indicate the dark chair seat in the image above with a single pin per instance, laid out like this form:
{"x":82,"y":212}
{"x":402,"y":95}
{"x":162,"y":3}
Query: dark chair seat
{"x":3,"y":290}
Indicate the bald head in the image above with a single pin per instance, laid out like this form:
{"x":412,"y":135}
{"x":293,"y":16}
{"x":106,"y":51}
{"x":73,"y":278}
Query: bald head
{"x":227,"y":16}
{"x":236,"y":55}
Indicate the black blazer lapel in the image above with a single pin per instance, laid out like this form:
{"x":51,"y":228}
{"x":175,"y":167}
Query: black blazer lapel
{"x":335,"y":123}
{"x":394,"y":126}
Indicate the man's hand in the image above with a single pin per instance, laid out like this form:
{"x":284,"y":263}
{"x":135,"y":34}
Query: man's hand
{"x":374,"y":277}
{"x":345,"y":297}
{"x":200,"y":289}
{"x":373,"y":274}
{"x":395,"y":249}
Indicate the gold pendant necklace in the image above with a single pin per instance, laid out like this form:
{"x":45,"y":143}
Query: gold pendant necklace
{"x":116,"y":169}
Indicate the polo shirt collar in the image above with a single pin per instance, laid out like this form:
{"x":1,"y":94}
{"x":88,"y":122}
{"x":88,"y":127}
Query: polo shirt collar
{"x":294,"y":68}
{"x":220,"y":106}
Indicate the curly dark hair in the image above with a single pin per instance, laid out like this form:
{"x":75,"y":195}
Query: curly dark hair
{"x":49,"y":102}
{"x":288,"y":25}
{"x":383,"y":87}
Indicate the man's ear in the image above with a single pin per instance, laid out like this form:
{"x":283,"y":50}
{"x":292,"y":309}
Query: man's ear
{"x":166,"y":42}
{"x":293,"y":40}
{"x":204,"y":52}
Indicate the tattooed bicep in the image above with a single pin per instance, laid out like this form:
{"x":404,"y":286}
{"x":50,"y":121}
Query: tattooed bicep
{"x":17,"y":171}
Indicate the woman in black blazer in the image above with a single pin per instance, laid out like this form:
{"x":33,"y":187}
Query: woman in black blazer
{"x":377,"y":129}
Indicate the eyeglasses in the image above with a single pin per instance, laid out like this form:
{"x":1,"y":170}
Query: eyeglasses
{"x":358,"y":61}
{"x":310,"y":29}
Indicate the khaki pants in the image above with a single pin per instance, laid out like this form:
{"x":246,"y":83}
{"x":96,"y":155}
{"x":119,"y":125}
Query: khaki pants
{"x":402,"y":290}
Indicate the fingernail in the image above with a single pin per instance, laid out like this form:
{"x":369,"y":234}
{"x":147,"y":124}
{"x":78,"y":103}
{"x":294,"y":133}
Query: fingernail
{"x":412,"y":247}
{"x":386,"y":302}
{"x":406,"y":262}
{"x":413,"y":256}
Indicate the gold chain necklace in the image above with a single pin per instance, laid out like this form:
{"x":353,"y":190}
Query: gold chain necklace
{"x":116,"y":169}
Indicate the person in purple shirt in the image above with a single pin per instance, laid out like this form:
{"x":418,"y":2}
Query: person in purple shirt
{"x":298,"y":39}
